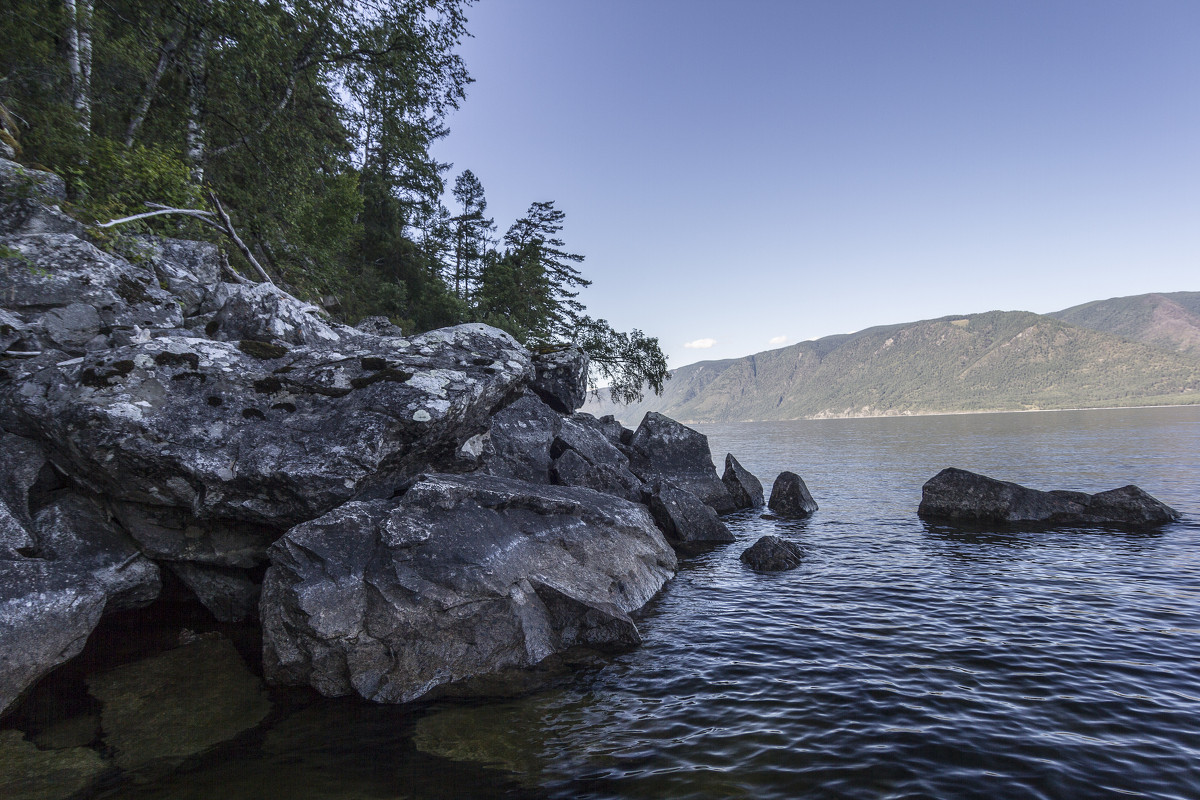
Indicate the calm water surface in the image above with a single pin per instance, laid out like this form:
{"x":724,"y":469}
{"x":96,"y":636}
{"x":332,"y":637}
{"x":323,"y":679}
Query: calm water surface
{"x":901,"y":660}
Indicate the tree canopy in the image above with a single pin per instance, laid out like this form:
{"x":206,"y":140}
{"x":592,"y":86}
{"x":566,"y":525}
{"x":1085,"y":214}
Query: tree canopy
{"x":312,"y":121}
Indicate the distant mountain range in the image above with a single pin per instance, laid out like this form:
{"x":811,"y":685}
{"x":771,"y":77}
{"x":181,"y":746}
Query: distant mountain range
{"x":1142,"y":350}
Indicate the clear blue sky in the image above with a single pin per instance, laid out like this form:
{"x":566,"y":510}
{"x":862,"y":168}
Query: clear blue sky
{"x":744,"y":171}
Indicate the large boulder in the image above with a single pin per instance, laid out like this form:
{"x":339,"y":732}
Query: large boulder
{"x":745,"y":489}
{"x":560,"y":378}
{"x":256,"y":432}
{"x":517,"y":444}
{"x":17,"y":181}
{"x":688,"y":524}
{"x":772,"y":554}
{"x":663,"y":449}
{"x":66,"y":288}
{"x":790,"y":497}
{"x":961,"y":496}
{"x":461,"y":578}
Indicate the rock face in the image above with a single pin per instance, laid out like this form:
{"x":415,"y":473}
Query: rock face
{"x":744,"y":488}
{"x":257,"y":432}
{"x":687,"y":523}
{"x":462,"y":576}
{"x":790,"y":497}
{"x":772,"y":554}
{"x":961,"y":496}
{"x":662,"y":448}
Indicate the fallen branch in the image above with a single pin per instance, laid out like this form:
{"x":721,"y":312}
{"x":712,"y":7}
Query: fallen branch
{"x":191,"y":212}
{"x":224,"y":225}
{"x":228,"y":226}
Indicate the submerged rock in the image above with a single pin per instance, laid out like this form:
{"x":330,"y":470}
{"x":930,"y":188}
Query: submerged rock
{"x":663,"y":449}
{"x":745,"y":489}
{"x":790,"y":497}
{"x":29,"y":773}
{"x":772,"y":554}
{"x":463,"y":577}
{"x":961,"y":496}
{"x":158,"y":711}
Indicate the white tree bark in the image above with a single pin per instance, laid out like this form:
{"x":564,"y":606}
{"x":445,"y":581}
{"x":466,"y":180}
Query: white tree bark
{"x":79,"y":58}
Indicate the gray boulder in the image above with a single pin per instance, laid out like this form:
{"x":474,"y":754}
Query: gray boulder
{"x":790,"y":497}
{"x":584,"y":456}
{"x":26,"y":215}
{"x":744,"y":488}
{"x":687,"y":523}
{"x":74,"y":531}
{"x":47,"y":612}
{"x":772,"y":554}
{"x":462,"y":578}
{"x":50,"y":273}
{"x":190,"y":271}
{"x":266,"y":313}
{"x":961,"y":496}
{"x":663,"y":449}
{"x":378,"y":326}
{"x":17,"y":181}
{"x":560,"y":378}
{"x":517,"y":444}
{"x":254,"y":432}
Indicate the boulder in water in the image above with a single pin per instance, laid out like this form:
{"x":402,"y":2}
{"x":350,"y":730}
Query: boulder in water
{"x":462,"y":578}
{"x":790,"y":497}
{"x":745,"y":489}
{"x":687,"y":523}
{"x":772,"y":554}
{"x":663,"y":449}
{"x":961,"y":496}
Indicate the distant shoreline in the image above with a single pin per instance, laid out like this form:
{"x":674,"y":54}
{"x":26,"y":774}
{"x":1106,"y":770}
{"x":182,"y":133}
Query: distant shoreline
{"x":1196,"y":403}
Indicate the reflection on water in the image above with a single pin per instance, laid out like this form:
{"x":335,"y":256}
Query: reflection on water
{"x":902,"y":659}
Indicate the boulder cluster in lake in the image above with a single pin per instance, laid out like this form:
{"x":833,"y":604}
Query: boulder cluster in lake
{"x":402,"y":515}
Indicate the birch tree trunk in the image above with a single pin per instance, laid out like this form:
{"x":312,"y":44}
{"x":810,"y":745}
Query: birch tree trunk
{"x":79,"y":58}
{"x":197,"y":56}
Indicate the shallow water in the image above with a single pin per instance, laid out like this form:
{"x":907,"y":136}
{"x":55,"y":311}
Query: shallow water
{"x":900,"y":660}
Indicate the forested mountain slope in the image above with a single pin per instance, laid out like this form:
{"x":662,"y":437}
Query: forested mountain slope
{"x":1168,"y":321}
{"x":1000,"y":360}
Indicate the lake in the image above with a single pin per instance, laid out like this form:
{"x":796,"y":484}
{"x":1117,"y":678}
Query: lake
{"x":901,"y":660}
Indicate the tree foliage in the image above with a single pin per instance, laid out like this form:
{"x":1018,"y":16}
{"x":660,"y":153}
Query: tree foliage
{"x":312,"y":121}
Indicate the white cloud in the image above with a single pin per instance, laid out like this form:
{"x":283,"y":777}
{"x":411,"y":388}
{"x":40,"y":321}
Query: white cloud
{"x":777,"y":340}
{"x":700,"y":344}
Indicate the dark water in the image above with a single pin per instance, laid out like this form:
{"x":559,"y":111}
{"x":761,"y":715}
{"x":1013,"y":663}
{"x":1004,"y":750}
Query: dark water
{"x":901,"y":660}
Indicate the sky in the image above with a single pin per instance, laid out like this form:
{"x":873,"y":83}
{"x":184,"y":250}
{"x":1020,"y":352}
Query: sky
{"x":747,"y":174}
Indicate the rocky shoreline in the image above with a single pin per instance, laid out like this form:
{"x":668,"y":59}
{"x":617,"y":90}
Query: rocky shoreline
{"x":365,"y":514}
{"x":402,"y":516}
